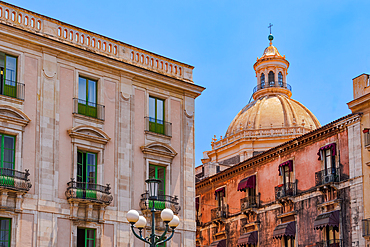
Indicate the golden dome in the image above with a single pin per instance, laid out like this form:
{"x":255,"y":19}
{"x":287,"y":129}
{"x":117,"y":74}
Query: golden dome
{"x":271,"y":51}
{"x":272,"y":112}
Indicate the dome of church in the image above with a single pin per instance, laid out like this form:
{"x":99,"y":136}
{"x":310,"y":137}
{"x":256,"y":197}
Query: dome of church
{"x":273,"y":111}
{"x":272,"y":107}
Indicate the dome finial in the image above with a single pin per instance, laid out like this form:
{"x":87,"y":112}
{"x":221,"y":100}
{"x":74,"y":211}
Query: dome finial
{"x":270,"y":37}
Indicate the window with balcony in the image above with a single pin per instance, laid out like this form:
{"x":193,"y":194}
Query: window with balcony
{"x":5,"y":231}
{"x":7,"y":158}
{"x":248,"y":186}
{"x":330,"y":236}
{"x":158,"y":172}
{"x":86,"y":175}
{"x":8,"y":72}
{"x":86,"y":104}
{"x":156,"y":115}
{"x":85,"y":237}
{"x":329,"y":172}
{"x":220,"y":197}
{"x":287,"y":182}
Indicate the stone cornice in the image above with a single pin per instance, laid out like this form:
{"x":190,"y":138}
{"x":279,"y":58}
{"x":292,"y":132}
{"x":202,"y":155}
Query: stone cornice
{"x":89,"y":133}
{"x":13,"y":115}
{"x":284,"y":149}
{"x":159,"y":149}
{"x":359,"y":103}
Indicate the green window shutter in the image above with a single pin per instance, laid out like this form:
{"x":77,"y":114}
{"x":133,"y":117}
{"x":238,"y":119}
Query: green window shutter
{"x":87,"y":97}
{"x":86,"y":237}
{"x":5,"y":232}
{"x":156,"y":115}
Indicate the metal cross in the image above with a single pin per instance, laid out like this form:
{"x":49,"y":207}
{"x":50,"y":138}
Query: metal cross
{"x":270,"y":27}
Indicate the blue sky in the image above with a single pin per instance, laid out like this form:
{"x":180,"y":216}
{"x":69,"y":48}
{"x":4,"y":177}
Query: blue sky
{"x":326,"y":43}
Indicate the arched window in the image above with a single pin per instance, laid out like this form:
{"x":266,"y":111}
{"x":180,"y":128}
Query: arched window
{"x":262,"y":80}
{"x":280,"y":79}
{"x":271,"y":79}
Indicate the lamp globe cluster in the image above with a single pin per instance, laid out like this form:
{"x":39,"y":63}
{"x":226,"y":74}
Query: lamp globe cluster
{"x":140,"y":222}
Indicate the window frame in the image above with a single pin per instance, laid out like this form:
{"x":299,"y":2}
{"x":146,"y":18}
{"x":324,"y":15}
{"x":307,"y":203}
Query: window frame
{"x":156,"y":176}
{"x":262,"y":80}
{"x":221,"y":201}
{"x":154,"y":126}
{"x":84,"y":164}
{"x":280,"y":79}
{"x":86,"y":235}
{"x":10,"y":230}
{"x":88,"y":105}
{"x":11,"y":86}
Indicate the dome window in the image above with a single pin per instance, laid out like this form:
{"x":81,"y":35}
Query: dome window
{"x":280,"y":79}
{"x":262,"y":80}
{"x":271,"y":79}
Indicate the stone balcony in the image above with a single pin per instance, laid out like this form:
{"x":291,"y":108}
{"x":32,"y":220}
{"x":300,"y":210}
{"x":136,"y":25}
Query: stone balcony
{"x":285,"y":190}
{"x":88,"y":200}
{"x":13,"y":185}
{"x":249,"y":202}
{"x":163,"y":201}
{"x":219,"y":213}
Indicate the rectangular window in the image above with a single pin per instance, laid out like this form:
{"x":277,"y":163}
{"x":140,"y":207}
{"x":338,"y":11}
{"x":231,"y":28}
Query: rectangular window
{"x":156,"y":115}
{"x":86,"y":175}
{"x":87,"y":97}
{"x":85,"y":237}
{"x":220,"y":196}
{"x":331,"y":235}
{"x":288,"y":241}
{"x":159,"y":172}
{"x":329,"y":161}
{"x":5,"y":231}
{"x":8,"y":73}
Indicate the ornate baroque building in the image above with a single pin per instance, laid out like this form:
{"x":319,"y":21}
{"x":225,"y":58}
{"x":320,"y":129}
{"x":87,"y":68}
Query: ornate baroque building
{"x":84,"y":121}
{"x":298,"y":184}
{"x":272,"y":118}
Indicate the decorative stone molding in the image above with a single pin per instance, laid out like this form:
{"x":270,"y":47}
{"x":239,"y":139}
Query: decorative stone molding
{"x":89,"y":133}
{"x":159,"y":149}
{"x":10,"y":114}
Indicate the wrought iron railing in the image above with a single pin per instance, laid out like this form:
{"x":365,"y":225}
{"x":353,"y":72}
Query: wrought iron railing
{"x":158,"y":126}
{"x":89,"y":192}
{"x":330,"y":243}
{"x":12,"y":89}
{"x":327,"y":176}
{"x":366,"y":227}
{"x":14,"y":179}
{"x":162,"y":202}
{"x":219,"y":212}
{"x":249,"y":202}
{"x":89,"y":109}
{"x":272,"y":84}
{"x":283,"y":190}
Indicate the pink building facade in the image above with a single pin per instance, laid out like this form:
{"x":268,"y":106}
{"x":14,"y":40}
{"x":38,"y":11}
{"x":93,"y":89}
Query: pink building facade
{"x":84,"y":121}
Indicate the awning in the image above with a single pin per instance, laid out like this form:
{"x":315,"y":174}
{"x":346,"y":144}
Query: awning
{"x":249,"y":182}
{"x":331,"y":146}
{"x":248,"y":238}
{"x":327,"y":219}
{"x":288,"y":163}
{"x":287,"y":229}
{"x":220,"y":190}
{"x":220,"y":243}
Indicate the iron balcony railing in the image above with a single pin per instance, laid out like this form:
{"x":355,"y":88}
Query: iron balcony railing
{"x":366,"y":227}
{"x":219,"y":212}
{"x":283,"y":190}
{"x":158,"y":126}
{"x":330,"y":243}
{"x":327,"y":176}
{"x":88,"y":192}
{"x":14,"y":179}
{"x":272,"y":84}
{"x":162,"y":202}
{"x":89,"y":109}
{"x":249,"y":202}
{"x":12,"y":89}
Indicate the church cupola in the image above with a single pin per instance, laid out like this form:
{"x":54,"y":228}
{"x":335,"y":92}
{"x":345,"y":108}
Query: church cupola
{"x":271,"y":72}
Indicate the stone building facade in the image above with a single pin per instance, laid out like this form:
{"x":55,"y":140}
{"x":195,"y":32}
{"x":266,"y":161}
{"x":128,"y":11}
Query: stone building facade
{"x":305,"y":192}
{"x":84,"y":121}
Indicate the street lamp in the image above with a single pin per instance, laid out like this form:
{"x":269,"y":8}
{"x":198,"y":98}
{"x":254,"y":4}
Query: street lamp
{"x":167,"y":216}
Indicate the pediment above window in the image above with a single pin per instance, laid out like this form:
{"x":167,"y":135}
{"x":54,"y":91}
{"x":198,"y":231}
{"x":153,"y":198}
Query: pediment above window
{"x":13,"y":115}
{"x":89,"y":133}
{"x":159,"y":149}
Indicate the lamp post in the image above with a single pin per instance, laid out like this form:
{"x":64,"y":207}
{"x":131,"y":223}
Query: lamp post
{"x":171,"y":221}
